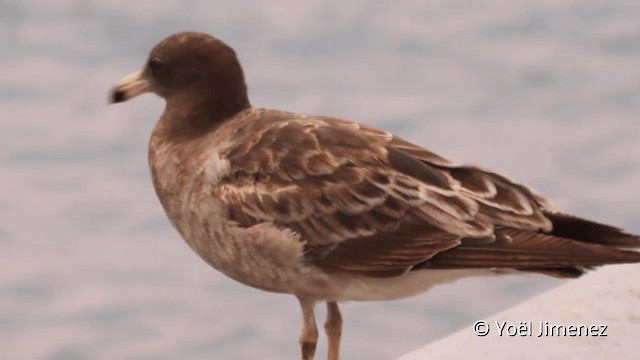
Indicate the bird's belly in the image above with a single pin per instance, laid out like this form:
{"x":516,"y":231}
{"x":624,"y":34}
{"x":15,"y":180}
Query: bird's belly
{"x":261,"y":256}
{"x":406,"y":285}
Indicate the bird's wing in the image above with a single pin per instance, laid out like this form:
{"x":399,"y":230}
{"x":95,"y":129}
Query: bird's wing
{"x":365,"y":202}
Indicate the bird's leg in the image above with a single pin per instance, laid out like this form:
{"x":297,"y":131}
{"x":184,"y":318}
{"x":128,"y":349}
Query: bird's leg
{"x":333,"y":328}
{"x":309,"y":335}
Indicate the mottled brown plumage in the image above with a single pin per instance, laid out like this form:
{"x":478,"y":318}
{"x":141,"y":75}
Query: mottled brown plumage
{"x":330,"y":210}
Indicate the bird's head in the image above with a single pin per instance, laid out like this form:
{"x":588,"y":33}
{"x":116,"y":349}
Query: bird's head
{"x":190,"y":68}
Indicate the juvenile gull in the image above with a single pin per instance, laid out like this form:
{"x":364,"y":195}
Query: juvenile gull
{"x":330,"y":210}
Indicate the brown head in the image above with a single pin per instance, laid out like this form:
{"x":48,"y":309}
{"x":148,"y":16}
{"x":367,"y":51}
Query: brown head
{"x":192,"y":71}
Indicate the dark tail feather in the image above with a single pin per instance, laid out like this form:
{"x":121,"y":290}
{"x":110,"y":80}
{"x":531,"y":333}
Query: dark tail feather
{"x":548,"y":254}
{"x":563,"y":273}
{"x":571,"y":227}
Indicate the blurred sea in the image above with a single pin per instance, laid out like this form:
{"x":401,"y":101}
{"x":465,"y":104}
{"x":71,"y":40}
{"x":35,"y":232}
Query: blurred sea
{"x":547,"y":92}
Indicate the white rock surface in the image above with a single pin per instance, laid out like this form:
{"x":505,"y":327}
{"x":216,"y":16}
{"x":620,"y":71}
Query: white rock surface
{"x":609,"y":296}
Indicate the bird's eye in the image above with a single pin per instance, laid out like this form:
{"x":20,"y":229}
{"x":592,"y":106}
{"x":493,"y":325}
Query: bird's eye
{"x":155,"y":65}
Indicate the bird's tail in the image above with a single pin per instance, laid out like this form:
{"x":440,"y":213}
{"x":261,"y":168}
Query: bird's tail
{"x":573,"y":246}
{"x":575,"y":228}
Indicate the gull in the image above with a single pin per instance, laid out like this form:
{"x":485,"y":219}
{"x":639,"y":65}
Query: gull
{"x":330,"y":210}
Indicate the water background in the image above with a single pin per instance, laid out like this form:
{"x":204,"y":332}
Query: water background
{"x":547,"y":92}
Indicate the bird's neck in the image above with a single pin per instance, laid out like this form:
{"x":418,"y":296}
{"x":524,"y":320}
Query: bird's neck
{"x":195,"y":112}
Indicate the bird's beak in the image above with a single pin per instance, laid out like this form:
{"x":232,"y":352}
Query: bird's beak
{"x":129,"y":87}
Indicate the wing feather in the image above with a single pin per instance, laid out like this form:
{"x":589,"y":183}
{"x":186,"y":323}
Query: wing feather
{"x":368,"y":203}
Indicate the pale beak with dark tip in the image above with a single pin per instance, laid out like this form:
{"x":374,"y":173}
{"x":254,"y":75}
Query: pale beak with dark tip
{"x":129,"y":87}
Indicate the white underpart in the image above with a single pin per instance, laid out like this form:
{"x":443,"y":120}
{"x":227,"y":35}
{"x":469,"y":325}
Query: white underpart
{"x":410,"y":284}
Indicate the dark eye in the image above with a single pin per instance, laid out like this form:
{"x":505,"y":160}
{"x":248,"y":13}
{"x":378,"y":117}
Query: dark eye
{"x":155,"y":65}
